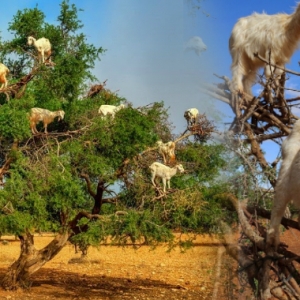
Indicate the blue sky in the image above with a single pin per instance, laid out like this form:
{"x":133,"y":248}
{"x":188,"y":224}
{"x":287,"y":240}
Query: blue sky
{"x":145,"y":41}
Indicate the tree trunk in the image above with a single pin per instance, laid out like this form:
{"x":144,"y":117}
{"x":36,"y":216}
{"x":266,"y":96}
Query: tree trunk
{"x":31,"y":260}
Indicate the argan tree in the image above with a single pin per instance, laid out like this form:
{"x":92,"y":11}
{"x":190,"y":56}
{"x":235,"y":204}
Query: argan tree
{"x":88,"y":178}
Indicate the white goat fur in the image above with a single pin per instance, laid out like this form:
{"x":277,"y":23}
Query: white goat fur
{"x":191,"y":115}
{"x":167,"y":150}
{"x":288,"y":183}
{"x":3,"y":72}
{"x":275,"y":35}
{"x":111,"y":110}
{"x":42,"y":45}
{"x":164,"y":172}
{"x":43,"y":115}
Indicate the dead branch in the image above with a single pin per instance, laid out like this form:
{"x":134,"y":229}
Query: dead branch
{"x":246,"y":264}
{"x":274,"y":65}
{"x":257,"y":152}
{"x":255,"y":266}
{"x":201,"y":130}
{"x":16,"y":90}
{"x":259,"y":119}
{"x":8,"y":160}
{"x":88,"y":184}
{"x":96,"y":89}
{"x":247,"y":229}
{"x":266,"y":214}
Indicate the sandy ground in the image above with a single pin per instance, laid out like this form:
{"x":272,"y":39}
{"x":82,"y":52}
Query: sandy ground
{"x":112,"y":272}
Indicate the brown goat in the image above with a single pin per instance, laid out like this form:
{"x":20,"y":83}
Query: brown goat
{"x":167,"y":150}
{"x":43,"y":115}
{"x":3,"y":72}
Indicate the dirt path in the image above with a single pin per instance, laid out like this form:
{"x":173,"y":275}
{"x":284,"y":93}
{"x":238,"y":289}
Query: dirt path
{"x":112,"y":272}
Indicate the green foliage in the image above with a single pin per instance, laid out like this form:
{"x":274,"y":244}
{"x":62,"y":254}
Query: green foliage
{"x":68,"y":18}
{"x":16,"y":223}
{"x":205,"y":161}
{"x":73,"y":57}
{"x":14,"y":121}
{"x":106,"y":143}
{"x":140,"y":226}
{"x":27,"y":23}
{"x":131,"y":134}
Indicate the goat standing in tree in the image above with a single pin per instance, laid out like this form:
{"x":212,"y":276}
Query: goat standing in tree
{"x":110,"y":110}
{"x":42,"y":45}
{"x":164,"y":172}
{"x":191,"y":115}
{"x":3,"y":72}
{"x":43,"y":115}
{"x":273,"y":37}
{"x":167,"y":150}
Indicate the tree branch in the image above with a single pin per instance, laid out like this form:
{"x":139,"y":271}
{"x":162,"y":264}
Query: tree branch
{"x":274,"y":65}
{"x":88,"y":184}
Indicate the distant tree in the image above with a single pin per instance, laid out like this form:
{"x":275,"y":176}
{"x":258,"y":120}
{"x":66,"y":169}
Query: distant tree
{"x":88,"y":178}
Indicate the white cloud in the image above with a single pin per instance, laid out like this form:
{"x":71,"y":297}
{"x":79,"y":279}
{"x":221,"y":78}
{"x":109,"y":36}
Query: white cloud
{"x":195,"y":44}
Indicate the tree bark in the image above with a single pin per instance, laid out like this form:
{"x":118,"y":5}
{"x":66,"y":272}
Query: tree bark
{"x":31,"y":260}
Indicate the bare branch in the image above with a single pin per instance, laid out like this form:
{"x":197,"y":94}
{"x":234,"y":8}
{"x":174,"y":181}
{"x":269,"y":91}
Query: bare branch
{"x":88,"y":184}
{"x":276,"y":66}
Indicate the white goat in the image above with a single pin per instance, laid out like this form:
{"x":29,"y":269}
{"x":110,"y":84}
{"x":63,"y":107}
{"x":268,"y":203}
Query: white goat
{"x":167,"y":150}
{"x":276,"y":36}
{"x":3,"y":72}
{"x":42,"y":45}
{"x":288,"y":183}
{"x":191,"y":116}
{"x":164,"y":172}
{"x":43,"y":115}
{"x":111,"y":110}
